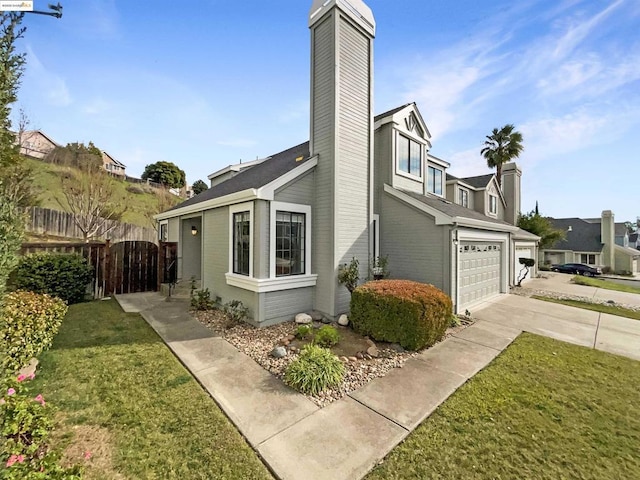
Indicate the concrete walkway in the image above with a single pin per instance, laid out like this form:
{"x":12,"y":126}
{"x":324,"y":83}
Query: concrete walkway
{"x":347,"y":438}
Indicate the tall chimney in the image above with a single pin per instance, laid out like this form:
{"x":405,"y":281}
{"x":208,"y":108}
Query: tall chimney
{"x":607,"y":232}
{"x":511,"y":175}
{"x":341,"y":135}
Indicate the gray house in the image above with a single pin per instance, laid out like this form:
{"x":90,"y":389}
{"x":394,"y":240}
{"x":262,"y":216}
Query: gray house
{"x":593,"y":241}
{"x":273,"y":232}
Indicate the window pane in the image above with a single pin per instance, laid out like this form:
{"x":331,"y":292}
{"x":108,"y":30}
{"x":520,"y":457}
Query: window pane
{"x":416,"y":159}
{"x":437,"y":187}
{"x":403,"y":153}
{"x":241,"y":242}
{"x":290,"y":243}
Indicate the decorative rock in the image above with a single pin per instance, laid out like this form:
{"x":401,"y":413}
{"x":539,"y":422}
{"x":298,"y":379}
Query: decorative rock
{"x":279,"y":352}
{"x":396,"y":347}
{"x":373,"y":351}
{"x":293,"y":349}
{"x":326,"y":320}
{"x":370,"y":342}
{"x":359,"y":355}
{"x":344,"y":359}
{"x":353,"y":359}
{"x":315,"y":315}
{"x":291,"y":338}
{"x":303,"y":318}
{"x":343,"y":320}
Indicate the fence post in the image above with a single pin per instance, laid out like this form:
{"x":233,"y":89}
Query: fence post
{"x":108,"y":274}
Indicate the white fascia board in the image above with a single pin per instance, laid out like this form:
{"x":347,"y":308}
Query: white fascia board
{"x":237,"y":197}
{"x":268,"y":191}
{"x":236,"y":167}
{"x":462,"y":184}
{"x":264,"y":285}
{"x":440,"y":218}
{"x":484,"y":225}
{"x":438,"y":161}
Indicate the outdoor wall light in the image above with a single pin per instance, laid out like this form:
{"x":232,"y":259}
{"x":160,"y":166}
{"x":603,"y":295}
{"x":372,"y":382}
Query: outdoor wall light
{"x":194,"y":230}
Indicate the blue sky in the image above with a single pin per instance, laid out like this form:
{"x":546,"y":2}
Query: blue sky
{"x":206,"y":83}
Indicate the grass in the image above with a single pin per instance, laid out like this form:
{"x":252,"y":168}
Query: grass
{"x":112,"y":377}
{"x":142,"y":201}
{"x":595,"y":282}
{"x":596,"y":307}
{"x":543,"y":409}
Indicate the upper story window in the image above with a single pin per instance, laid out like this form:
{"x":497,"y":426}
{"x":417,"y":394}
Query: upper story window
{"x":493,"y":204}
{"x":409,"y":156}
{"x":290,"y":243}
{"x":241,"y":242}
{"x":434,"y":181}
{"x":164,"y":232}
{"x":463,"y":197}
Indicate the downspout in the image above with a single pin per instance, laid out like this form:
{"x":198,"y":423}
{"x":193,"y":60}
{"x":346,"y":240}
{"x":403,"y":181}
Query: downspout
{"x":455,"y":268}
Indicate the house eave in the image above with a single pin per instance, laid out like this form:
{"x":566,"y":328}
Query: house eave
{"x":267,"y":192}
{"x":236,"y":197}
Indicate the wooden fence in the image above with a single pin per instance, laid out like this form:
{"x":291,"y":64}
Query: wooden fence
{"x":44,"y":221}
{"x":122,"y":267}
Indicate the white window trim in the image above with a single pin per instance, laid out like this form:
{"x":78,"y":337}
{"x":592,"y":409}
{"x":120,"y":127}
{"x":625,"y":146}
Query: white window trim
{"x":160,"y":224}
{"x":238,"y":208}
{"x":397,"y":158}
{"x":294,"y":208}
{"x":460,"y":190}
{"x":489,"y":212}
{"x":263,"y":285}
{"x":376,"y":235}
{"x":442,"y":180}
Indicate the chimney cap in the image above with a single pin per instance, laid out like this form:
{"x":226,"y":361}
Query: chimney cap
{"x":356,"y":9}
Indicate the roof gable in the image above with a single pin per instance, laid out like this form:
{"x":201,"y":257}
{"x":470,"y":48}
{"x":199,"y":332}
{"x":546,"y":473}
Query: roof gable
{"x":581,"y":236}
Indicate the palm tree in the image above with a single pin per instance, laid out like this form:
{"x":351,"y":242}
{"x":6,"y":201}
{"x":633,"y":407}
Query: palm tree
{"x":501,"y":147}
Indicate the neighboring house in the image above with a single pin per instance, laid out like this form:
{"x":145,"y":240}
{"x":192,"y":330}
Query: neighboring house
{"x":34,"y":143}
{"x":621,"y":234}
{"x":634,"y":241}
{"x":273,"y":233}
{"x":591,"y":241}
{"x":112,"y":165}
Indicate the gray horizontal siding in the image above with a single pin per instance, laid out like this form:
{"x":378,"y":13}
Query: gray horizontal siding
{"x":284,"y":305}
{"x":301,"y":190}
{"x":415,"y":244}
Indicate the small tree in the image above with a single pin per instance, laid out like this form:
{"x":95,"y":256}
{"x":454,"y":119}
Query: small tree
{"x":11,"y":232}
{"x":527,"y":264}
{"x":165,"y":173}
{"x":349,"y":274}
{"x":541,"y":226}
{"x":198,"y":187}
{"x":91,"y":195}
{"x":76,"y":155}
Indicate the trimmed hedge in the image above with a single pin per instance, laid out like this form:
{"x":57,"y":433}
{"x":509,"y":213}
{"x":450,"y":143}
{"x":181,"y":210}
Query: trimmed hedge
{"x":415,"y":315}
{"x":61,"y":275}
{"x":28,"y":323}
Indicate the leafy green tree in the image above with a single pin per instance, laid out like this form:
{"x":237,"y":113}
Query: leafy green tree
{"x":76,"y":155}
{"x":541,"y":226}
{"x":199,"y":186}
{"x":501,"y":147}
{"x":165,"y":173}
{"x":12,"y":222}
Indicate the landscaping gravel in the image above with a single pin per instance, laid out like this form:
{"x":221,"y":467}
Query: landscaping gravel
{"x":258,"y":343}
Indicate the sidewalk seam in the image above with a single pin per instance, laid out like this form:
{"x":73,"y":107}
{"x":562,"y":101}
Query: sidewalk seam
{"x":381,"y":414}
{"x":595,"y":338}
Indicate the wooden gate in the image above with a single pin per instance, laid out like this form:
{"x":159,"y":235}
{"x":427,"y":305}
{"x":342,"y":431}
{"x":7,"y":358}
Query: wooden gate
{"x":168,"y":263}
{"x":133,"y":267}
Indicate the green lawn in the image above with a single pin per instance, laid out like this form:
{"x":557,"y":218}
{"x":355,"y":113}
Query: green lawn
{"x":596,"y":307}
{"x":607,"y":285}
{"x":543,"y":409}
{"x":111,"y":375}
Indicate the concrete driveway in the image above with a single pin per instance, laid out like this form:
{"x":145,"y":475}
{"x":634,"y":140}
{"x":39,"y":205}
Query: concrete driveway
{"x":604,"y":332}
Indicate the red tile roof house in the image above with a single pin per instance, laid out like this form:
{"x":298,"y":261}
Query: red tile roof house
{"x":274,"y":233}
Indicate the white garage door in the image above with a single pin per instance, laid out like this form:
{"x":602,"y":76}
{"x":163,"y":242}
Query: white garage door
{"x":521,"y":252}
{"x":480,"y":269}
{"x":634,"y":266}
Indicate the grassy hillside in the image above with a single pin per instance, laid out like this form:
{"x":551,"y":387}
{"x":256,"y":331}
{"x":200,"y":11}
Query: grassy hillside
{"x":142,"y":201}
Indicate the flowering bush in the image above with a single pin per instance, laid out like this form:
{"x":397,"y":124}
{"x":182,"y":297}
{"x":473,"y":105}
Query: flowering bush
{"x":25,"y":424}
{"x":28,"y":323}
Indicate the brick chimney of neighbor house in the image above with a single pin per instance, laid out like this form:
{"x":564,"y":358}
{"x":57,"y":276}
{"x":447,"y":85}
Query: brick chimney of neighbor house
{"x":511,"y":175}
{"x":341,"y":135}
{"x":607,"y":232}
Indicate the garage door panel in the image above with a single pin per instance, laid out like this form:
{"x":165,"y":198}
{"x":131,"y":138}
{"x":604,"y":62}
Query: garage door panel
{"x":480,"y":268}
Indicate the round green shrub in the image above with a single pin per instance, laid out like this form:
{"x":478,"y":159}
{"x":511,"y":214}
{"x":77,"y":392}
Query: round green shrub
{"x":327,"y":336}
{"x":314,"y":370}
{"x":28,"y":323}
{"x":61,"y":275}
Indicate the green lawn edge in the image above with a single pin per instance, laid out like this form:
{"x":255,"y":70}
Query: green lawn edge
{"x":542,"y":409}
{"x":110,"y":369}
{"x":596,"y":307}
{"x":604,"y":284}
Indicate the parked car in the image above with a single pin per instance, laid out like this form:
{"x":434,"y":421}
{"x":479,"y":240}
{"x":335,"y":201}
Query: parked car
{"x":577,"y":269}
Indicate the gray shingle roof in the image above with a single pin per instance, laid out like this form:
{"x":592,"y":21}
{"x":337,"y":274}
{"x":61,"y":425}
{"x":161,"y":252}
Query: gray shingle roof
{"x":391,"y":112}
{"x":583,"y":237}
{"x":480,"y":181}
{"x":633,"y":237}
{"x":452,"y":209}
{"x":620,"y":229}
{"x":254,"y":177}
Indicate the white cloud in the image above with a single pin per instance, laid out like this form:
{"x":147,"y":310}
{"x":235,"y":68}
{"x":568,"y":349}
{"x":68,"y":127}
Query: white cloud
{"x":51,"y":86}
{"x":468,"y":163}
